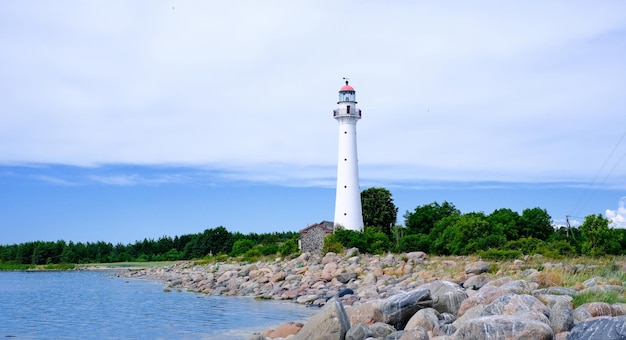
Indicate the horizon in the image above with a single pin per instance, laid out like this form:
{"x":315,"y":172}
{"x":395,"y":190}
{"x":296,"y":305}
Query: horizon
{"x":125,"y":120}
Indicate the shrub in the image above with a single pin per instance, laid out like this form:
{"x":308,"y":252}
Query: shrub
{"x":252,"y":254}
{"x":332,"y":244}
{"x":268,"y":249}
{"x":499,"y":254}
{"x":290,"y":247}
{"x":414,"y":242}
{"x":241,"y":246}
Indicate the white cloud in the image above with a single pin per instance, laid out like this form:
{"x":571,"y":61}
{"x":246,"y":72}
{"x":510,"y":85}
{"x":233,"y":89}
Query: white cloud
{"x":501,"y":92}
{"x":618,"y":216}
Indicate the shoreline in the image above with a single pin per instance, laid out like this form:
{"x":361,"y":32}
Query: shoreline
{"x":451,"y":286}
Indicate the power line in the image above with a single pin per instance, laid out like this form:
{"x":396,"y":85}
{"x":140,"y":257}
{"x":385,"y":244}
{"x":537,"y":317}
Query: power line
{"x":591,"y":190}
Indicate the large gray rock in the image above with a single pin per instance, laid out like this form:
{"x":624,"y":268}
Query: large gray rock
{"x":517,"y":287}
{"x":602,"y":328}
{"x":345,"y":277}
{"x":618,"y":309}
{"x":499,"y":327}
{"x":483,"y":296}
{"x":427,"y":318}
{"x":359,"y":332}
{"x":472,"y":313}
{"x":398,"y":309}
{"x":590,"y":310}
{"x":556,"y":290}
{"x":510,"y":304}
{"x":413,"y":334}
{"x":366,"y":313}
{"x":477,"y":267}
{"x":417,"y":255}
{"x":477,"y":281}
{"x":381,"y":329}
{"x":561,"y":315}
{"x":447,"y":296}
{"x":331,"y":323}
{"x":603,"y":289}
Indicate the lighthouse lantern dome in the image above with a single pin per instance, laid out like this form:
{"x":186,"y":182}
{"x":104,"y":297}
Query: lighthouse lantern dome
{"x":347,"y":93}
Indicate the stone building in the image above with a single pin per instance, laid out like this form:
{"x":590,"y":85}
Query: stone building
{"x":312,"y":237}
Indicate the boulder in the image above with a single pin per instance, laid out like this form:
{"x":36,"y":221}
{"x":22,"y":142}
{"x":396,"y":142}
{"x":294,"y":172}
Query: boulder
{"x":359,"y":332}
{"x":556,"y":291}
{"x":517,"y":287}
{"x":472,"y":313}
{"x":477,"y":267}
{"x":603,"y":289}
{"x":532,"y":315}
{"x":590,"y":310}
{"x":427,"y":318}
{"x":510,"y":304}
{"x":344,"y":292}
{"x":366,"y":313}
{"x":330,"y":323}
{"x":345,"y":277}
{"x":618,"y":308}
{"x":416,"y":255}
{"x":352,"y":252}
{"x":561,"y":316}
{"x":280,"y":276}
{"x":497,"y":327}
{"x":484,"y":296}
{"x":398,"y":309}
{"x":370,"y":278}
{"x":447,"y":296}
{"x":284,"y":330}
{"x":477,"y":281}
{"x":602,"y":328}
{"x":413,"y":334}
{"x":381,"y":329}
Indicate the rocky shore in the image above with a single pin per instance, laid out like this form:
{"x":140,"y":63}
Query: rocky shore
{"x":413,"y":296}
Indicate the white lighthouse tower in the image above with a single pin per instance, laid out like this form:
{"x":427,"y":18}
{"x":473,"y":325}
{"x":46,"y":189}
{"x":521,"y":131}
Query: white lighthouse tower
{"x":348,"y":213}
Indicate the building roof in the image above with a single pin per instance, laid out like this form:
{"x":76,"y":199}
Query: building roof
{"x":346,"y":88}
{"x":328,"y":226}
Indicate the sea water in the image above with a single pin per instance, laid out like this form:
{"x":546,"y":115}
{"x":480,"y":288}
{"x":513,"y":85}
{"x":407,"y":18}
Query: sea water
{"x":97,"y":305}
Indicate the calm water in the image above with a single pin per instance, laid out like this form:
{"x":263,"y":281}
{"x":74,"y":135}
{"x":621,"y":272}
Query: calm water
{"x":89,"y":304}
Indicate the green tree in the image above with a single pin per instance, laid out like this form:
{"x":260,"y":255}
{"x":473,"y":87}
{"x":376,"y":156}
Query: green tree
{"x":536,"y":223}
{"x":379,"y":211}
{"x":599,"y":238}
{"x":241,"y":246}
{"x":468,"y":234}
{"x":414,"y":242}
{"x":423,"y":219}
{"x":507,"y":220}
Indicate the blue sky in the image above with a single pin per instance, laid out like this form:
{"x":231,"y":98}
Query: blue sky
{"x":123,"y":120}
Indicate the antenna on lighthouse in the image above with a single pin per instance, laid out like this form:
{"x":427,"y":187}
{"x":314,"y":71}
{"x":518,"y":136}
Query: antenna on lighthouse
{"x":346,"y":79}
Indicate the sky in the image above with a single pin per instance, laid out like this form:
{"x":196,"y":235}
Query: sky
{"x":125,"y":120}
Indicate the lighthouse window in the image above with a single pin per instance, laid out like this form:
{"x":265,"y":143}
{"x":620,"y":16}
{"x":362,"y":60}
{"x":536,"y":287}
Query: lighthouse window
{"x":348,"y":109}
{"x":345,"y":159}
{"x":345,"y":187}
{"x":344,"y":214}
{"x":345,"y":132}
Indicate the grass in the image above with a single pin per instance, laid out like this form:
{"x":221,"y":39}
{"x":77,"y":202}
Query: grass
{"x":11,"y":267}
{"x":607,"y":297}
{"x":124,"y":265}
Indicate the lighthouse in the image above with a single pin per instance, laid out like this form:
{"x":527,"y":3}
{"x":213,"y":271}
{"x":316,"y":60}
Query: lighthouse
{"x":348,"y":213}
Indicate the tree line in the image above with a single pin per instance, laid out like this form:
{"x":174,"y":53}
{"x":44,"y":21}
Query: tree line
{"x":435,"y":228}
{"x":441,"y":229}
{"x":186,"y":247}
